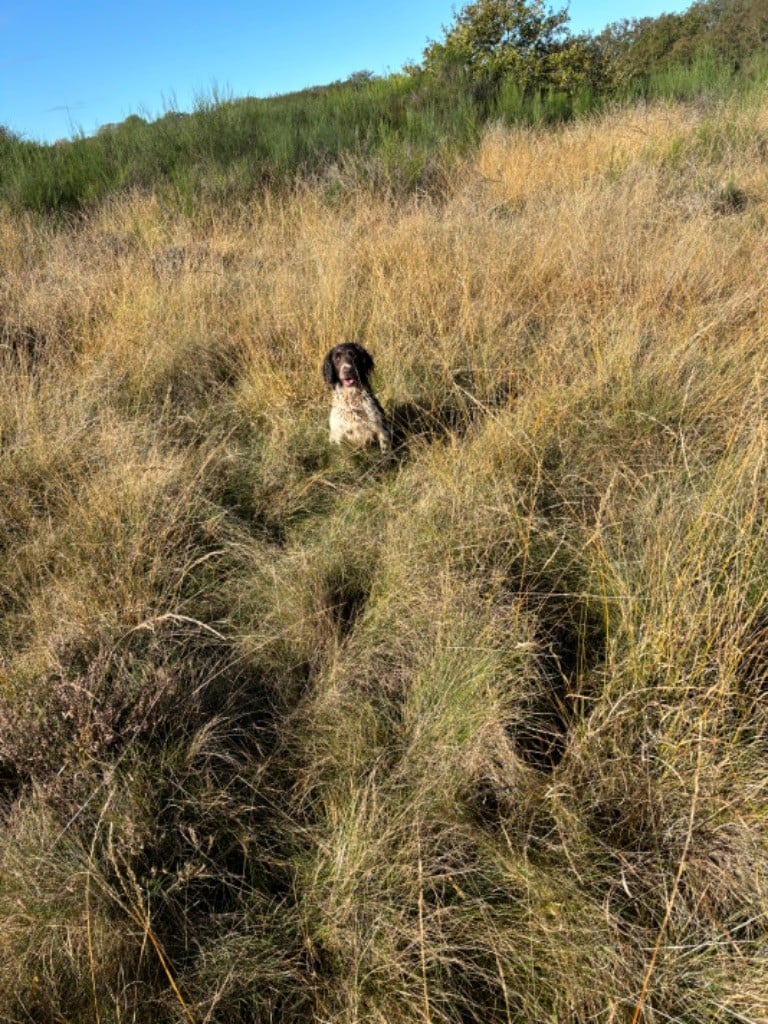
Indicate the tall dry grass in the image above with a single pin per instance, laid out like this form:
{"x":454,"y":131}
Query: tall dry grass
{"x":289,"y":733}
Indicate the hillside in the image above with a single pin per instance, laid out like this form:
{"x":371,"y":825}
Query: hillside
{"x":395,"y":133}
{"x":289,"y":733}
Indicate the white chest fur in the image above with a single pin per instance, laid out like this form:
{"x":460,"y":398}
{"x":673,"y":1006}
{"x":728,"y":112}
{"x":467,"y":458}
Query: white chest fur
{"x":357,"y":418}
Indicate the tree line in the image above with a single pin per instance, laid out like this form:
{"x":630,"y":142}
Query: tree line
{"x":529,"y":43}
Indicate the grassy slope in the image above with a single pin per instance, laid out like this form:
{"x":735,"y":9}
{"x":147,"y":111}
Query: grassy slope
{"x":290,"y":734}
{"x":396,"y":135}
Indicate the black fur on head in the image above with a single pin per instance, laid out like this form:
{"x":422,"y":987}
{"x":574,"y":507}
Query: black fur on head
{"x":350,"y":355}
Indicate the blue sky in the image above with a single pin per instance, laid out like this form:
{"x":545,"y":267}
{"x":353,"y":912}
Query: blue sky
{"x":70,"y":67}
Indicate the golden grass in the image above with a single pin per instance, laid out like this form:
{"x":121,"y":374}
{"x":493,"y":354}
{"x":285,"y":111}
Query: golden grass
{"x":289,"y":733}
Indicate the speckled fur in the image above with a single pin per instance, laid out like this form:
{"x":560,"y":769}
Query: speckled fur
{"x":356,"y":416}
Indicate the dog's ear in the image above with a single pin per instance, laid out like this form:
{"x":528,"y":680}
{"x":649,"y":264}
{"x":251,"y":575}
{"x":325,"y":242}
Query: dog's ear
{"x":363,"y":359}
{"x":329,"y":370}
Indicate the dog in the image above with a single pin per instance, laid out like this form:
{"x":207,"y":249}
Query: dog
{"x":356,"y":416}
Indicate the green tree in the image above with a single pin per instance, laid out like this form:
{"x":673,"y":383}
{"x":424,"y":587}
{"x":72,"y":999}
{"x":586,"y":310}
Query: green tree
{"x":492,"y":39}
{"x":581,"y":64}
{"x":741,"y":29}
{"x":730,"y":30}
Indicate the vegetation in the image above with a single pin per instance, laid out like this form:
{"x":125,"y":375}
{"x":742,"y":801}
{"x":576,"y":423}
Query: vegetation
{"x":509,"y":61}
{"x":729,"y":31}
{"x":236,"y":147}
{"x":475,"y":733}
{"x":494,"y":39}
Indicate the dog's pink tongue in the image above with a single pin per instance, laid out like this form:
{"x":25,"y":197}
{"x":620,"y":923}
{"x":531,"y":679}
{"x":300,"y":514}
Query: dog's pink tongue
{"x":348,"y":382}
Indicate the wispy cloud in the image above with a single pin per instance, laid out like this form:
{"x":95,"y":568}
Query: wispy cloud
{"x":66,"y":108}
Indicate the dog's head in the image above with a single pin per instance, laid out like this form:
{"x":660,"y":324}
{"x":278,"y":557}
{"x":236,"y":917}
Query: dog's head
{"x":347,"y":366}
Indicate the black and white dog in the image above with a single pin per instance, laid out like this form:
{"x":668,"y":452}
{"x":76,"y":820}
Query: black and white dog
{"x":356,"y":416}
